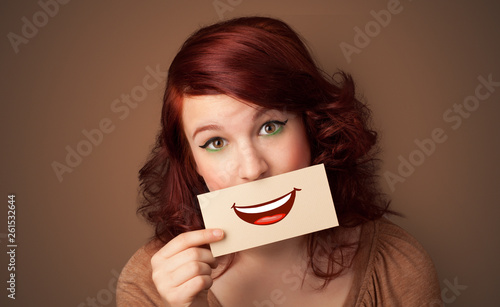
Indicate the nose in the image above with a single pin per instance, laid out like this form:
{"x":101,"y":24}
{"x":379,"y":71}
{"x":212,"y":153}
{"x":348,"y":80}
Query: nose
{"x":252,"y":164}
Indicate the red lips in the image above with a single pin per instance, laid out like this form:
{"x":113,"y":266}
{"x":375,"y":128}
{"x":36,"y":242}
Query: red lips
{"x":269,"y":212}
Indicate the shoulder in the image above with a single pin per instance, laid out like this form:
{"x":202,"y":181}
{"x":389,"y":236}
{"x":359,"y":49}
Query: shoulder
{"x":394,"y":268}
{"x":135,"y":286}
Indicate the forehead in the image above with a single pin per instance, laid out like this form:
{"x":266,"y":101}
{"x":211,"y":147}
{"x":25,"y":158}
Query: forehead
{"x":197,"y":110}
{"x":209,"y":104}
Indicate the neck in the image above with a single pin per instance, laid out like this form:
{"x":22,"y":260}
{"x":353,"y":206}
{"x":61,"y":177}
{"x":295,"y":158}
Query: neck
{"x":284,"y":251}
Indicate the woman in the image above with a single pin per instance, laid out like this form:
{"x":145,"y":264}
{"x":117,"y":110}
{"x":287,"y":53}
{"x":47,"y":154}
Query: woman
{"x":244,"y":101}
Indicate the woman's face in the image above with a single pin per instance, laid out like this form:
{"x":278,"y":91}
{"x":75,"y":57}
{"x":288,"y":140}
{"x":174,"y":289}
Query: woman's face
{"x":233,"y":142}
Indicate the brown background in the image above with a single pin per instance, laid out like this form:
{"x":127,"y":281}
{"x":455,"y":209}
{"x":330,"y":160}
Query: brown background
{"x":73,"y":235}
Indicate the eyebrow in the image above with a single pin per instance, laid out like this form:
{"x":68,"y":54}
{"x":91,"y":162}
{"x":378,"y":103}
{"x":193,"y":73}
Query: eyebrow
{"x":213,"y":127}
{"x":206,"y":128}
{"x":259,"y":113}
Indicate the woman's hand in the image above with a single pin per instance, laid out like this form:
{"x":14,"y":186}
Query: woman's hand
{"x":182,"y":270}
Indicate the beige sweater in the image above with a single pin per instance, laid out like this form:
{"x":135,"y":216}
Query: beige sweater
{"x":391,"y":269}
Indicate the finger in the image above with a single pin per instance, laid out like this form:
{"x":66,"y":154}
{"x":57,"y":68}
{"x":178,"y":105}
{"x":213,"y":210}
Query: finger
{"x":192,"y":287}
{"x":188,"y":255}
{"x":191,"y":291}
{"x":190,"y":239}
{"x":189,"y":271}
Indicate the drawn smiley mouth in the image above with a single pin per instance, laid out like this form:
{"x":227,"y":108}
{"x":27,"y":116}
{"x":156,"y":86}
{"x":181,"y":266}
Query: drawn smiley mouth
{"x":269,"y":212}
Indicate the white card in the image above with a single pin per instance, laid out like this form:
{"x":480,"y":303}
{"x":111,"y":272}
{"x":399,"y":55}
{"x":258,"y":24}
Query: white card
{"x":269,"y":210}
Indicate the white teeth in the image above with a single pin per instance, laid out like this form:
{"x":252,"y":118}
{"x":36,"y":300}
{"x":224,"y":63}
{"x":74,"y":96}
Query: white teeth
{"x":267,"y":207}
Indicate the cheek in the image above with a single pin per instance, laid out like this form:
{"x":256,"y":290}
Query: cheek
{"x":215,"y":171}
{"x":301,"y":157}
{"x":297,"y":154}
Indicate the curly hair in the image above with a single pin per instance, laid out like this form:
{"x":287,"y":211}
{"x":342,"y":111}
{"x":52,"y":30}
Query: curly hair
{"x":263,"y":61}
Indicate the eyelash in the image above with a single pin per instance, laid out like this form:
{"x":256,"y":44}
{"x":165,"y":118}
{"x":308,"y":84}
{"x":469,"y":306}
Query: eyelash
{"x":275,"y":122}
{"x":212,"y":140}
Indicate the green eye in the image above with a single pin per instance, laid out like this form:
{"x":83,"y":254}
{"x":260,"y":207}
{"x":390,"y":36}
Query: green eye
{"x":214,"y":144}
{"x":272,"y":127}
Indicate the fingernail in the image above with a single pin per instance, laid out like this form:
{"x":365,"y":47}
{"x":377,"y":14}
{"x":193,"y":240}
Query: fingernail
{"x":217,"y":232}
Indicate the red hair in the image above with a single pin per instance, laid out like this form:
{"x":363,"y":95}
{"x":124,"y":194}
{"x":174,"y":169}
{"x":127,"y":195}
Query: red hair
{"x":264,"y":62}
